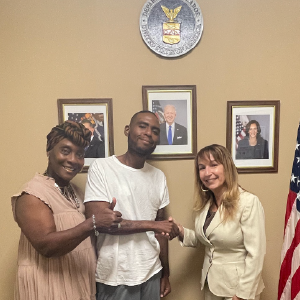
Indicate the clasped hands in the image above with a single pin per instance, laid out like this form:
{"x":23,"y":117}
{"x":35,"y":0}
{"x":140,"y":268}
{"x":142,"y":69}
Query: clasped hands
{"x":109,"y":220}
{"x":169,"y":228}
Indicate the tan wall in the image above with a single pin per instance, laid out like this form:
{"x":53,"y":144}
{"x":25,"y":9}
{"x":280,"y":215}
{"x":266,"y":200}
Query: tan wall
{"x":92,"y":49}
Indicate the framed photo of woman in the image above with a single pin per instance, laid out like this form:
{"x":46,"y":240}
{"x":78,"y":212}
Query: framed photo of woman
{"x":253,"y":135}
{"x":97,"y":116}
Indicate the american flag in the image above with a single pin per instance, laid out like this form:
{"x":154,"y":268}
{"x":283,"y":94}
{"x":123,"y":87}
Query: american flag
{"x":157,"y":109}
{"x":75,"y":117}
{"x":240,"y":132}
{"x":289,"y":280}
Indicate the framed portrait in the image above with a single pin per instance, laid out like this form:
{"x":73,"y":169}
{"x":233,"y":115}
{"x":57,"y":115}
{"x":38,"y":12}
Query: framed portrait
{"x":176,"y":110}
{"x":253,"y":135}
{"x":97,"y":116}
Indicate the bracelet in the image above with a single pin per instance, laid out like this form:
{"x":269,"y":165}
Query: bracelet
{"x":94,"y":225}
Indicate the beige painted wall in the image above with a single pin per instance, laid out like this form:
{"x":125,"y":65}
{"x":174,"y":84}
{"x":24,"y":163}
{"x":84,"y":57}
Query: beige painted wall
{"x":92,"y":49}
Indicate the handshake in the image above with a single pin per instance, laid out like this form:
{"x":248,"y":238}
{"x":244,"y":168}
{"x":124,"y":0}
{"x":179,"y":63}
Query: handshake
{"x":108,"y":220}
{"x":169,"y":228}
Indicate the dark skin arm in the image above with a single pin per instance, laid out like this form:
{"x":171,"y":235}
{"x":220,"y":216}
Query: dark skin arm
{"x":180,"y":229}
{"x":164,"y":229}
{"x":130,"y":227}
{"x":37,"y":223}
{"x":165,"y":286}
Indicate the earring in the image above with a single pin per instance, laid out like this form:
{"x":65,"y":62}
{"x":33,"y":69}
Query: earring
{"x":203,"y":190}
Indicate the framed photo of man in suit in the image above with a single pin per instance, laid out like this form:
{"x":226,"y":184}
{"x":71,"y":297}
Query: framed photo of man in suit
{"x":175,"y":108}
{"x":97,"y":116}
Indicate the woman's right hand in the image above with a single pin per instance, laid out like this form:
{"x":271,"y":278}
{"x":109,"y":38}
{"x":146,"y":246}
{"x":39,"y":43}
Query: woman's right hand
{"x":175,"y":229}
{"x":181,"y":230}
{"x":167,"y":228}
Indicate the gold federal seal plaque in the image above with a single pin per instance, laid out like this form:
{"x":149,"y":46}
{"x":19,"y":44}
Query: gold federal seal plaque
{"x":171,"y":28}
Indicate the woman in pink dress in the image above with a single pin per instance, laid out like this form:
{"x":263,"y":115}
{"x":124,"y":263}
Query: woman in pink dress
{"x":56,"y":259}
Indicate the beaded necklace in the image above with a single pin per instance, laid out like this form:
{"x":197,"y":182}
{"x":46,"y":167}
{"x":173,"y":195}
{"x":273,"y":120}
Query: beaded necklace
{"x":67,"y":191}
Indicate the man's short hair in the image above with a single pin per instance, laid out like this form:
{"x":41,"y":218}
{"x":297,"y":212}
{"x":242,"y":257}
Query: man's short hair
{"x":141,"y":112}
{"x":88,"y":122}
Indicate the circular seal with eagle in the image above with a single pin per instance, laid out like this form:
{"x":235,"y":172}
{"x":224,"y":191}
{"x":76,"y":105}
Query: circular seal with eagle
{"x":171,"y":28}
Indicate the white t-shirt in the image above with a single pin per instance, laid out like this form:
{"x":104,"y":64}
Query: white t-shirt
{"x":134,"y":258}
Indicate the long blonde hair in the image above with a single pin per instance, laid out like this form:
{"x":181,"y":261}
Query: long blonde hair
{"x":231,"y":196}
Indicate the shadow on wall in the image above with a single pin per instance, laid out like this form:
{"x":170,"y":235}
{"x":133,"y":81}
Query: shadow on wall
{"x":186,"y":283}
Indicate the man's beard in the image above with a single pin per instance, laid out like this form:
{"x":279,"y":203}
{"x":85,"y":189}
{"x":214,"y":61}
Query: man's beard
{"x":140,"y":151}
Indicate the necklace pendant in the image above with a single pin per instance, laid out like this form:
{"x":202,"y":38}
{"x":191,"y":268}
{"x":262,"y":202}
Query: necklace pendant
{"x":68,"y":192}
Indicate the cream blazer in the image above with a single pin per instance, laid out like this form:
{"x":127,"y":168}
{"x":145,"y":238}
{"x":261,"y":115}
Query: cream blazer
{"x":234,"y":250}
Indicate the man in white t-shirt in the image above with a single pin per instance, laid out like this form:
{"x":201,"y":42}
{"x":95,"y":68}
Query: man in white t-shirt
{"x":133,"y":254}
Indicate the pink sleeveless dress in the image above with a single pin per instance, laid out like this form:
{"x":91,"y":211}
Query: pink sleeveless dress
{"x":68,"y":277}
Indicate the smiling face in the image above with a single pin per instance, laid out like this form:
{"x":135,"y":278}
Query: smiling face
{"x":212,"y":174}
{"x":253,"y":130}
{"x":143,"y":134}
{"x":65,"y":161}
{"x":170,"y":114}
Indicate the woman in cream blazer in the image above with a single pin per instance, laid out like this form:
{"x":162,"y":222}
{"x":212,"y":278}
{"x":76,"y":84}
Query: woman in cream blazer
{"x":230,"y":223}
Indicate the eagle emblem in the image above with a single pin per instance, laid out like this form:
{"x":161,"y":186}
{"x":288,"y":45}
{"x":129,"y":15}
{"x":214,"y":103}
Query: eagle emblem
{"x":171,"y":29}
{"x":170,"y":13}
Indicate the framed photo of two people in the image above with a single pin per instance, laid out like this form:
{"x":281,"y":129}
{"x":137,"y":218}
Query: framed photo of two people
{"x":253,"y":135}
{"x":176,"y":110}
{"x":97,"y":116}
